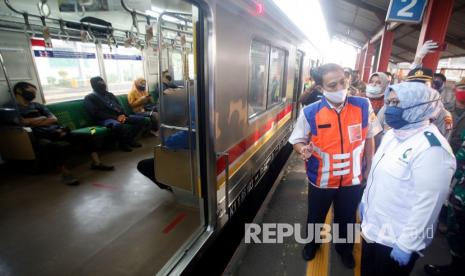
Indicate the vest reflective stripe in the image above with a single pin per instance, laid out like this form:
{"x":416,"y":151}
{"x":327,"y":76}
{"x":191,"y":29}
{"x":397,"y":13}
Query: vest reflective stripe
{"x":340,"y":156}
{"x":341,"y":165}
{"x":339,"y":173}
{"x":338,"y":140}
{"x":325,"y":168}
{"x":357,"y":168}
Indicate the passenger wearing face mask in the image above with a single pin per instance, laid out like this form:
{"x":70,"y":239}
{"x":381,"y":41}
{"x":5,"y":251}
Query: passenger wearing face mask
{"x":167,"y":81}
{"x":447,"y":94}
{"x":458,"y":115}
{"x":377,"y":85}
{"x":407,"y":185}
{"x":51,"y":140}
{"x":105,"y":110}
{"x":333,"y":136}
{"x":375,"y":89}
{"x":142,"y":103}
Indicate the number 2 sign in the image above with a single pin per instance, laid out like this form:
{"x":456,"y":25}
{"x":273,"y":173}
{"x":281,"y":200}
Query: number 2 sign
{"x":407,"y":11}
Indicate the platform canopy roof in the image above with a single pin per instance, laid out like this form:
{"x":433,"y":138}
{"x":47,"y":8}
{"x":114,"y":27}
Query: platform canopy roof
{"x":358,"y":21}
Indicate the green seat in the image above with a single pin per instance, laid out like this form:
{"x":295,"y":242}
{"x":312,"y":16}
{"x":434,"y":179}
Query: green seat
{"x":72,"y":114}
{"x":123,"y":100}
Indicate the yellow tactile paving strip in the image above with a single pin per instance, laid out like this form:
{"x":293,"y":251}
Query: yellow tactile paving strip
{"x":358,"y":252}
{"x":319,"y":266}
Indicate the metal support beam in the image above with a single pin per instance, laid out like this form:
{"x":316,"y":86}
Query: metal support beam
{"x":367,"y":63}
{"x":385,"y":52}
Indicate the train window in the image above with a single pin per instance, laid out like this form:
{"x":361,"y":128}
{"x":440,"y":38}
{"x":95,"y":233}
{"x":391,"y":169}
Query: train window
{"x":122,"y":67}
{"x":258,"y":79}
{"x":65,"y":71}
{"x":177,"y":65}
{"x":191,"y":66}
{"x":276,"y":76}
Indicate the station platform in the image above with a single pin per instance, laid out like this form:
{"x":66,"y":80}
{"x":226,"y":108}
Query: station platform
{"x":287,"y":203}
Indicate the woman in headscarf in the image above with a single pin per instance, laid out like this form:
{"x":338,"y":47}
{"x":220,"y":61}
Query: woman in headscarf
{"x":375,"y":89}
{"x":142,"y":103}
{"x":407,"y":185}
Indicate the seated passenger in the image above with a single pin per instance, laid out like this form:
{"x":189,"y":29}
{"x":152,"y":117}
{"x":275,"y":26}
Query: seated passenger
{"x":51,"y":139}
{"x":105,"y":110}
{"x":142,"y":103}
{"x":167,"y":82}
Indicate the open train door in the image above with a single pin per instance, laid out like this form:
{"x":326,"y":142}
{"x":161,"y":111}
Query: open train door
{"x":297,"y":83}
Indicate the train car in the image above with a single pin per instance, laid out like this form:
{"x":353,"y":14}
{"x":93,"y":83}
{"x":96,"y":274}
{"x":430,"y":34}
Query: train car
{"x":237,"y":71}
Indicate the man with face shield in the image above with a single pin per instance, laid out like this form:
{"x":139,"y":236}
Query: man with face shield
{"x":52,"y":140}
{"x":105,"y":110}
{"x":407,"y":185}
{"x":333,"y":136}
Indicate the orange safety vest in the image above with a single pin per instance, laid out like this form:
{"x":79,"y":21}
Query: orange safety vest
{"x":338,"y":140}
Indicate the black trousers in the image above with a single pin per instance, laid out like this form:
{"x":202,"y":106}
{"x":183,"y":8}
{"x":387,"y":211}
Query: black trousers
{"x":345,"y":200}
{"x":376,"y":261}
{"x":147,"y":168}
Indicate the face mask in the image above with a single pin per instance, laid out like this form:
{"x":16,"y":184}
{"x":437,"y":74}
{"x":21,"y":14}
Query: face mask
{"x":100,"y":87}
{"x":28,"y":95}
{"x":460,"y":94}
{"x":169,"y":78}
{"x":437,"y":84}
{"x":141,"y":87}
{"x":373,"y":91}
{"x":336,"y":97}
{"x":393,"y":115}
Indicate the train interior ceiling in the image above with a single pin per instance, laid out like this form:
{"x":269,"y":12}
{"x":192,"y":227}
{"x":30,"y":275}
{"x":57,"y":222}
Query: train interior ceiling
{"x":117,"y":222}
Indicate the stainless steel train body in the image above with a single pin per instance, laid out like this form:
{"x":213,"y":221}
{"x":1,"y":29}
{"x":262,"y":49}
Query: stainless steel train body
{"x":234,"y":134}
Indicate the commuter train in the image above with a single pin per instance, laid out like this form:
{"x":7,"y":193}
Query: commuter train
{"x":239,"y":67}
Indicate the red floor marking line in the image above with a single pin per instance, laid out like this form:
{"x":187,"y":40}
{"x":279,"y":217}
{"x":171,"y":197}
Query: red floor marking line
{"x":174,"y":222}
{"x":104,"y":186}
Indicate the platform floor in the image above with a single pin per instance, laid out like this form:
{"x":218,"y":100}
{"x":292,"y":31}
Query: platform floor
{"x":114,"y":223}
{"x":288,"y":204}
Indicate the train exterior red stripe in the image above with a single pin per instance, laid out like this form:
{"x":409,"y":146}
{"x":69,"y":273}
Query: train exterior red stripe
{"x":238,"y":149}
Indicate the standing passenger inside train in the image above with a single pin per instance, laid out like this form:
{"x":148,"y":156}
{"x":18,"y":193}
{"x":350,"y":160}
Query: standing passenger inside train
{"x":333,"y":135}
{"x":142,"y":103}
{"x":407,"y":185}
{"x":105,"y":110}
{"x":50,"y":139}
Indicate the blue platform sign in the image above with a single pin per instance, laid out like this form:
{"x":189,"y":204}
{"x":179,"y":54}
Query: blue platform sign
{"x":407,"y":11}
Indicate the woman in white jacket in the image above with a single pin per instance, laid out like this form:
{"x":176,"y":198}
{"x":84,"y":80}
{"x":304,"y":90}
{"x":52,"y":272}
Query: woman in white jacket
{"x":407,"y":185}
